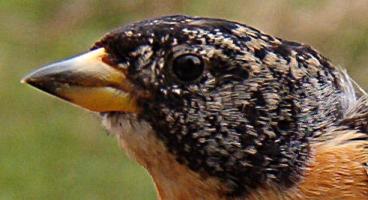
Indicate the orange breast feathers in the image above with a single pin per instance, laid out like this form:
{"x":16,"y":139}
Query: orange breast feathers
{"x":338,"y":169}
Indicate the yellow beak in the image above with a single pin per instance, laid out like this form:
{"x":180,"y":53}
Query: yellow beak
{"x":86,"y":81}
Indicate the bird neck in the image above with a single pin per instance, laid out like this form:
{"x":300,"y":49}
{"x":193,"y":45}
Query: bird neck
{"x":172,"y":179}
{"x":330,"y":161}
{"x":176,"y":181}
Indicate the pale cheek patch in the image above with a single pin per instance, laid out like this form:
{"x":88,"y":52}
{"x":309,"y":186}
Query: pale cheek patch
{"x":134,"y":135}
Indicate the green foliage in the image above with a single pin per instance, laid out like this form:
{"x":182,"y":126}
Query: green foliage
{"x":51,"y":150}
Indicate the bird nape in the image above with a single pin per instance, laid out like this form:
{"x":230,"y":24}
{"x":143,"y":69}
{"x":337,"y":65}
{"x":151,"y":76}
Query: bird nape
{"x":215,"y":109}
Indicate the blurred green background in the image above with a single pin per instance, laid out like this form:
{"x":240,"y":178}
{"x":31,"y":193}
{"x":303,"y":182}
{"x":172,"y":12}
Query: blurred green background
{"x":51,"y":150}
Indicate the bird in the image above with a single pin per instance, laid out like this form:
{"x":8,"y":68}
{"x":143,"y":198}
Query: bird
{"x":216,"y":109}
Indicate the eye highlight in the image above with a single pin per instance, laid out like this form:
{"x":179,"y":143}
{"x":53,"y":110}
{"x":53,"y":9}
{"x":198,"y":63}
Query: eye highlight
{"x":188,"y":67}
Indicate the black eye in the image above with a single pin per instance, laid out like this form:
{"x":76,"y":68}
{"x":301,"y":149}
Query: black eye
{"x":188,"y":67}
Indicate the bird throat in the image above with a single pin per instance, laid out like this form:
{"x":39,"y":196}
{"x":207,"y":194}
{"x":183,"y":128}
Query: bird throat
{"x":139,"y":141}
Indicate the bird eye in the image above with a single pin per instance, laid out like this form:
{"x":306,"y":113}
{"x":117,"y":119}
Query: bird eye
{"x":188,"y":67}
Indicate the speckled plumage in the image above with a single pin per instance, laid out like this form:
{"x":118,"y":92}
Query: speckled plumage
{"x":253,"y":122}
{"x":251,"y":117}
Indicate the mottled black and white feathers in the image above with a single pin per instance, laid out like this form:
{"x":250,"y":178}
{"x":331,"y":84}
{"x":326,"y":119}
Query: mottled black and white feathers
{"x":251,"y":115}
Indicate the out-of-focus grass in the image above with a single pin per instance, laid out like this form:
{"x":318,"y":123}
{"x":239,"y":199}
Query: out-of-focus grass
{"x":51,"y":150}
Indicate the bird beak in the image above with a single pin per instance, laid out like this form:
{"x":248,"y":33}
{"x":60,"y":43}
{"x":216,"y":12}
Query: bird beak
{"x":87,"y":81}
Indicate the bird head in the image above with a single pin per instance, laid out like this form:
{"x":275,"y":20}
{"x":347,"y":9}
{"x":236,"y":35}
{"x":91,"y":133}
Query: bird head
{"x":226,"y":100}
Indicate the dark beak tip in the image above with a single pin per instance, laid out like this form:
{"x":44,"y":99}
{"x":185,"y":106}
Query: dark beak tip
{"x":30,"y":80}
{"x":38,"y":83}
{"x":48,"y":88}
{"x":25,"y":80}
{"x":34,"y":78}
